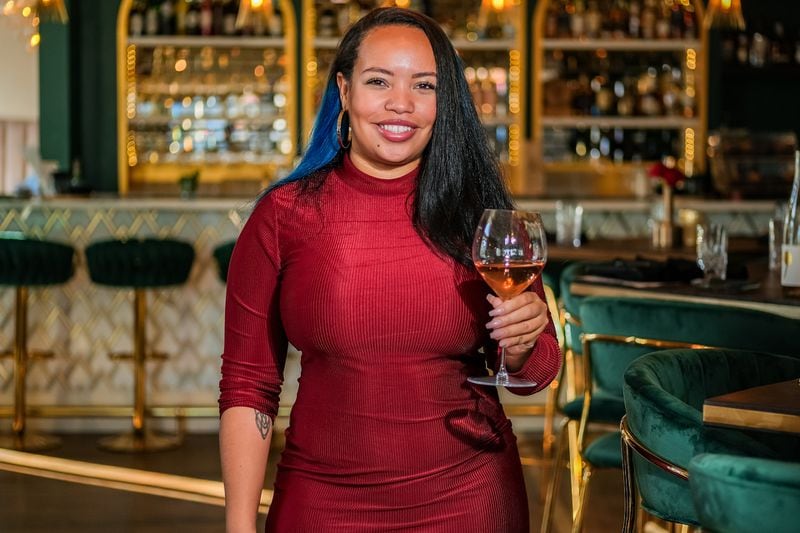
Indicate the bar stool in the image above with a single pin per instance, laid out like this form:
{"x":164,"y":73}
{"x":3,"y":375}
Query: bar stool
{"x":222,"y":255}
{"x":26,"y":263}
{"x":139,"y":265}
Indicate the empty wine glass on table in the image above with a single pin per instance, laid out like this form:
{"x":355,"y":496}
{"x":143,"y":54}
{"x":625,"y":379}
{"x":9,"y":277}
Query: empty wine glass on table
{"x":712,"y":253}
{"x":509,"y":251}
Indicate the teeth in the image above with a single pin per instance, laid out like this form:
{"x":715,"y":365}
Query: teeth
{"x":393,"y":128}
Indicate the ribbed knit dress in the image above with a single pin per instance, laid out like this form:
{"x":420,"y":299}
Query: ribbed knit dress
{"x":386,"y":433}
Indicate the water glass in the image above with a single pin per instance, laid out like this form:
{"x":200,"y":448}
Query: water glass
{"x":712,"y":252}
{"x":569,"y":218}
{"x":776,"y":236}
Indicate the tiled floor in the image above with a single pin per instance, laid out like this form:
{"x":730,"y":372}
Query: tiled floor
{"x":32,"y":504}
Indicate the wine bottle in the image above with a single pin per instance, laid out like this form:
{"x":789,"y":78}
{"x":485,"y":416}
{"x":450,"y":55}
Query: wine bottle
{"x":790,"y":265}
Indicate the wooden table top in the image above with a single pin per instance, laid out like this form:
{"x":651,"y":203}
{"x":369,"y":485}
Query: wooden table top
{"x":774,"y":407}
{"x":610,"y":249}
{"x":762,"y":292}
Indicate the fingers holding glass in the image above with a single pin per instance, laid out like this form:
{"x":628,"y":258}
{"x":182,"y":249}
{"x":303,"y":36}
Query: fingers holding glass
{"x":510,"y":252}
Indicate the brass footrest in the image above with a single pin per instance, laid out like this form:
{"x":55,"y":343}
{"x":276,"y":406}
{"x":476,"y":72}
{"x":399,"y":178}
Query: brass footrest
{"x":31,"y":355}
{"x":121,"y":356}
{"x":139,"y":442}
{"x":29,"y":442}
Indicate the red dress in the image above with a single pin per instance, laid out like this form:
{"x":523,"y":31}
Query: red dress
{"x":386,"y":432}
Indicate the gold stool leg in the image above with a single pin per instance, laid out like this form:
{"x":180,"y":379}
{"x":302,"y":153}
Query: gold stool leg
{"x":22,"y":438}
{"x":140,"y":439}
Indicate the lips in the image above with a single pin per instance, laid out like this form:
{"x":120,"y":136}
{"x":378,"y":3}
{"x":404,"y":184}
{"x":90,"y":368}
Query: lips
{"x":397,"y":131}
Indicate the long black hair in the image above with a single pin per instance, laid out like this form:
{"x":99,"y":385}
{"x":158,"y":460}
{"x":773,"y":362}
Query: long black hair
{"x":459,"y":173}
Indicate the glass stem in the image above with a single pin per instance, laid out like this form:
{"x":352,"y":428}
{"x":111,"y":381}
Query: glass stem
{"x":502,"y":373}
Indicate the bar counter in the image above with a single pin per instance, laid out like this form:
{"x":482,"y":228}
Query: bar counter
{"x":82,"y":322}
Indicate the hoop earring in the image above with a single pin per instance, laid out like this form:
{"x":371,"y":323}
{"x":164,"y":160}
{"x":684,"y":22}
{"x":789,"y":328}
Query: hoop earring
{"x":343,"y":124}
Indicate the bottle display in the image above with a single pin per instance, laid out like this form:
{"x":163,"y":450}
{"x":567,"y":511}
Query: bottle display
{"x":790,"y":265}
{"x":619,"y":83}
{"x":196,"y":95}
{"x":763,"y":45}
{"x":486,"y":34}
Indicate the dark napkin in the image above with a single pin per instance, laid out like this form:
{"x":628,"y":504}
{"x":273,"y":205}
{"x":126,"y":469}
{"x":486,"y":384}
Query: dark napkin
{"x":669,"y":270}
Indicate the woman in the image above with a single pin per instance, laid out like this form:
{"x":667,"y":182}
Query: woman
{"x":360,"y":259}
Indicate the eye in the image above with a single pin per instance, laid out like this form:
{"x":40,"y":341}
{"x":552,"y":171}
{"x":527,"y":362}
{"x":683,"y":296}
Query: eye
{"x":427,"y":86}
{"x":376,"y":81}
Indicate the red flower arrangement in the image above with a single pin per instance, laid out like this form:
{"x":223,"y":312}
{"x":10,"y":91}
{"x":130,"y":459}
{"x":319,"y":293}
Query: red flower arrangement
{"x":671,"y":176}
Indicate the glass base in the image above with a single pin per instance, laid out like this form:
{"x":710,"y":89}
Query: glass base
{"x":492,"y":381}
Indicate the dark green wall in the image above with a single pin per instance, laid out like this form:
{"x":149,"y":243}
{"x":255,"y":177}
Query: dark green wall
{"x":55,"y":94}
{"x":764,"y":99}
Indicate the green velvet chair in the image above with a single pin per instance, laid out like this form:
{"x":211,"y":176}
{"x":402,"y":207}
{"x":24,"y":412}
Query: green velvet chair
{"x":571,"y":376}
{"x":619,"y":330}
{"x":663,"y":428}
{"x":734,"y":494}
{"x":222,"y":256}
{"x":140,"y":265}
{"x":24,"y":264}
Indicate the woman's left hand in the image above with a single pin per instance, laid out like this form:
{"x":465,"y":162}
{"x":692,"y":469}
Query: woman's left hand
{"x":516,"y":325}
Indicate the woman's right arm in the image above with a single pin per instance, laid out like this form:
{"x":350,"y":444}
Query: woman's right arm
{"x":252,"y":366}
{"x":244,"y":439}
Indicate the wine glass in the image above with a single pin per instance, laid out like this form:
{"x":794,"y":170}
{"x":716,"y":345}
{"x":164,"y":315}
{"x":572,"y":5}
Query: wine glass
{"x":509,"y":250}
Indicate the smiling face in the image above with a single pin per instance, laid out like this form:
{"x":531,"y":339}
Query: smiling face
{"x":391,"y":100}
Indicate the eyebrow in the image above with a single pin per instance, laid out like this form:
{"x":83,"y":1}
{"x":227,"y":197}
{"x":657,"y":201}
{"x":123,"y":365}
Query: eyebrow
{"x":380,"y":70}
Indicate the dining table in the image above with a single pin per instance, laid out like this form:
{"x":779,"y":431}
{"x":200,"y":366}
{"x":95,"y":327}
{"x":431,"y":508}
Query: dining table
{"x":761,"y":291}
{"x":773,"y":407}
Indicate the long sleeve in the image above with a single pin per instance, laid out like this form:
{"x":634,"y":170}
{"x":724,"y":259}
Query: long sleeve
{"x":544,"y":363}
{"x":255,"y":343}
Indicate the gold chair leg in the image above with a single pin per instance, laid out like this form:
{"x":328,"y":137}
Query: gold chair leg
{"x":555,"y":477}
{"x":629,"y":491}
{"x":140,"y":439}
{"x":548,"y":436}
{"x":577,"y":520}
{"x":22,"y":438}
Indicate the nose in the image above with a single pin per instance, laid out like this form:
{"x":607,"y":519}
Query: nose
{"x":400,"y":100}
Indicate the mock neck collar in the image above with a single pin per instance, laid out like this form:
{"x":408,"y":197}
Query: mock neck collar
{"x":377,"y":186}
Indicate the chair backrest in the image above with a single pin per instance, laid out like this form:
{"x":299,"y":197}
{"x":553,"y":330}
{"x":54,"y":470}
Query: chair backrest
{"x":571,"y":304}
{"x":664,"y":393}
{"x":222,"y":255}
{"x":679,"y":322}
{"x":734,"y":494}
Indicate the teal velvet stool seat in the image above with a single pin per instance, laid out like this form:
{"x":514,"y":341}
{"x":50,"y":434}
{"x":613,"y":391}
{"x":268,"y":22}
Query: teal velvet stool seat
{"x":222,"y":256}
{"x":663,"y":428}
{"x":734,"y":494}
{"x":27,"y":263}
{"x":617,"y":331}
{"x":140,"y":265}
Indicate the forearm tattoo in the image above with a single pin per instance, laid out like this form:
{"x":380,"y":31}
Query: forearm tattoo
{"x":263,"y":423}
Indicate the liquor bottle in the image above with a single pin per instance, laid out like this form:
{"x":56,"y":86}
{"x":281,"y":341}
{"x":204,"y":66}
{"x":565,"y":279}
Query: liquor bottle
{"x":206,"y":18}
{"x":166,"y":19}
{"x":790,"y":265}
{"x":151,"y":18}
{"x":229,"y":18}
{"x":192,"y":17}
{"x":218,"y":17}
{"x":136,"y":22}
{"x":180,"y":17}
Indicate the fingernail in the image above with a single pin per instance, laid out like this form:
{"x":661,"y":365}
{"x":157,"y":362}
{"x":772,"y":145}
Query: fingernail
{"x":493,"y":324}
{"x":496,"y":311}
{"x":503,"y":343}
